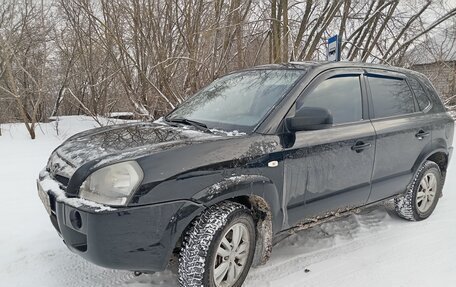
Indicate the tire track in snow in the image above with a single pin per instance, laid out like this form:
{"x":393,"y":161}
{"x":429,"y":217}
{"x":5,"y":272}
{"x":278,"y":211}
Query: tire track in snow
{"x":317,"y":244}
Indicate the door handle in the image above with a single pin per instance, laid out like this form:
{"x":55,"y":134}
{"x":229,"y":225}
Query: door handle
{"x":421,"y":134}
{"x":360,"y":146}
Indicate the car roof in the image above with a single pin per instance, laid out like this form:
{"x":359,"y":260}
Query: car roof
{"x":308,"y":65}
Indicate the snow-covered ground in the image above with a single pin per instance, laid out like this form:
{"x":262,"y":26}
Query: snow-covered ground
{"x":368,"y":249}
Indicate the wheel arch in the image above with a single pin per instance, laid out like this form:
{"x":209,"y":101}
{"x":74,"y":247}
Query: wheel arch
{"x":257,"y":193}
{"x":249,"y":190}
{"x":440,"y":157}
{"x":436,"y":151}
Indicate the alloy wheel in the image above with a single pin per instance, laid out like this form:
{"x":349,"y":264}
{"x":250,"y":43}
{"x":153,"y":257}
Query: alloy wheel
{"x":426,"y":192}
{"x":232,"y":255}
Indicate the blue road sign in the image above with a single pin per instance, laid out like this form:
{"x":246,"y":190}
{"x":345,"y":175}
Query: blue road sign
{"x":333,"y":48}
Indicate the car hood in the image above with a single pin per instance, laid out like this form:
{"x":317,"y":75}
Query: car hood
{"x":104,"y":145}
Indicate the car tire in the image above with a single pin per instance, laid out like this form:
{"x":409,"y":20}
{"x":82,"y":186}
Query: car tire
{"x":419,"y":201}
{"x":207,"y":239}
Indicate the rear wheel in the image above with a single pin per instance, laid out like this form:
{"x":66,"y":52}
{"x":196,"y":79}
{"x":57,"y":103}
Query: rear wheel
{"x":421,"y":198}
{"x":218,"y":248}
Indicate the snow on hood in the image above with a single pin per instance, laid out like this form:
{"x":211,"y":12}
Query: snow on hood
{"x":113,"y":143}
{"x":232,"y":133}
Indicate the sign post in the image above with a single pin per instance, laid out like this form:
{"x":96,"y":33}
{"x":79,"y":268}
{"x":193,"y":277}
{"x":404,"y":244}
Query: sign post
{"x":333,"y":48}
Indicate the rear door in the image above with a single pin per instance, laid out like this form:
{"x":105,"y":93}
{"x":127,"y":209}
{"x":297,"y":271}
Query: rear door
{"x":402,"y":132}
{"x":331,"y":168}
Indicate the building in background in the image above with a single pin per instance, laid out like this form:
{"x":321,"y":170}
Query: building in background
{"x":435,"y":57}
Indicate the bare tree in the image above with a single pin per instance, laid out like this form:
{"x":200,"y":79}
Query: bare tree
{"x":62,"y":57}
{"x":23,"y":58}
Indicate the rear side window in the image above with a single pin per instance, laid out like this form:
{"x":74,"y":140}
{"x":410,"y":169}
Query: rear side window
{"x":341,"y":95}
{"x":420,"y":94}
{"x":432,"y":93}
{"x":390,"y":97}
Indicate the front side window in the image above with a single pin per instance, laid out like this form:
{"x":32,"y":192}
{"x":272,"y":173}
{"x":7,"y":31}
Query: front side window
{"x":238,"y":101}
{"x":390,"y":97}
{"x":341,"y":95}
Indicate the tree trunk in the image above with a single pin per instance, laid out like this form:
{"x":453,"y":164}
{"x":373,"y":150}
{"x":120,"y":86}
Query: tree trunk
{"x":285,"y":30}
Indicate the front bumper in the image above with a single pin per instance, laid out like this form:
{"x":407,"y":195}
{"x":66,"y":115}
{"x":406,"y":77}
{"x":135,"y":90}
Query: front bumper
{"x":131,"y":238}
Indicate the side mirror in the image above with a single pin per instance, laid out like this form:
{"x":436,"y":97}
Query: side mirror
{"x":310,"y":118}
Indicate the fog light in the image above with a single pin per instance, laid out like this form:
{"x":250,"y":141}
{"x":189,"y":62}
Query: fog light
{"x":75,"y":219}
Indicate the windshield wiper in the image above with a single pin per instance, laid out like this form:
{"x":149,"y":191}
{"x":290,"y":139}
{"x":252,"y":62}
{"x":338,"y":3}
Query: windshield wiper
{"x":195,"y":124}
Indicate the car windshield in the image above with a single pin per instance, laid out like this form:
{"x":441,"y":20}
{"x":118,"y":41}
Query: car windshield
{"x":237,"y":101}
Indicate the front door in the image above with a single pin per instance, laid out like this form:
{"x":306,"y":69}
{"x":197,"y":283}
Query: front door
{"x":328,"y":169}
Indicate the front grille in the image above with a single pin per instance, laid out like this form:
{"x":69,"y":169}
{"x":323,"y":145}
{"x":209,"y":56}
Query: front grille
{"x":59,"y":165}
{"x":60,"y":170}
{"x":52,"y":202}
{"x":63,"y":181}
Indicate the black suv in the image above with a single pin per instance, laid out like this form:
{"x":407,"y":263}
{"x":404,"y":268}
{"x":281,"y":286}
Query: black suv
{"x":255,"y":153}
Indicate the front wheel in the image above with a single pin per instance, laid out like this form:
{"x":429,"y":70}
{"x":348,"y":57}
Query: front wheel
{"x":421,"y":198}
{"x":218,"y":248}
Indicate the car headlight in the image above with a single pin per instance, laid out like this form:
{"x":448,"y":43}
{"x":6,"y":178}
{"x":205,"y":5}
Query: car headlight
{"x":113,"y":184}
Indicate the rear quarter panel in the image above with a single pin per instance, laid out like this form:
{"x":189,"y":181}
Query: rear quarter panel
{"x":443,"y":131}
